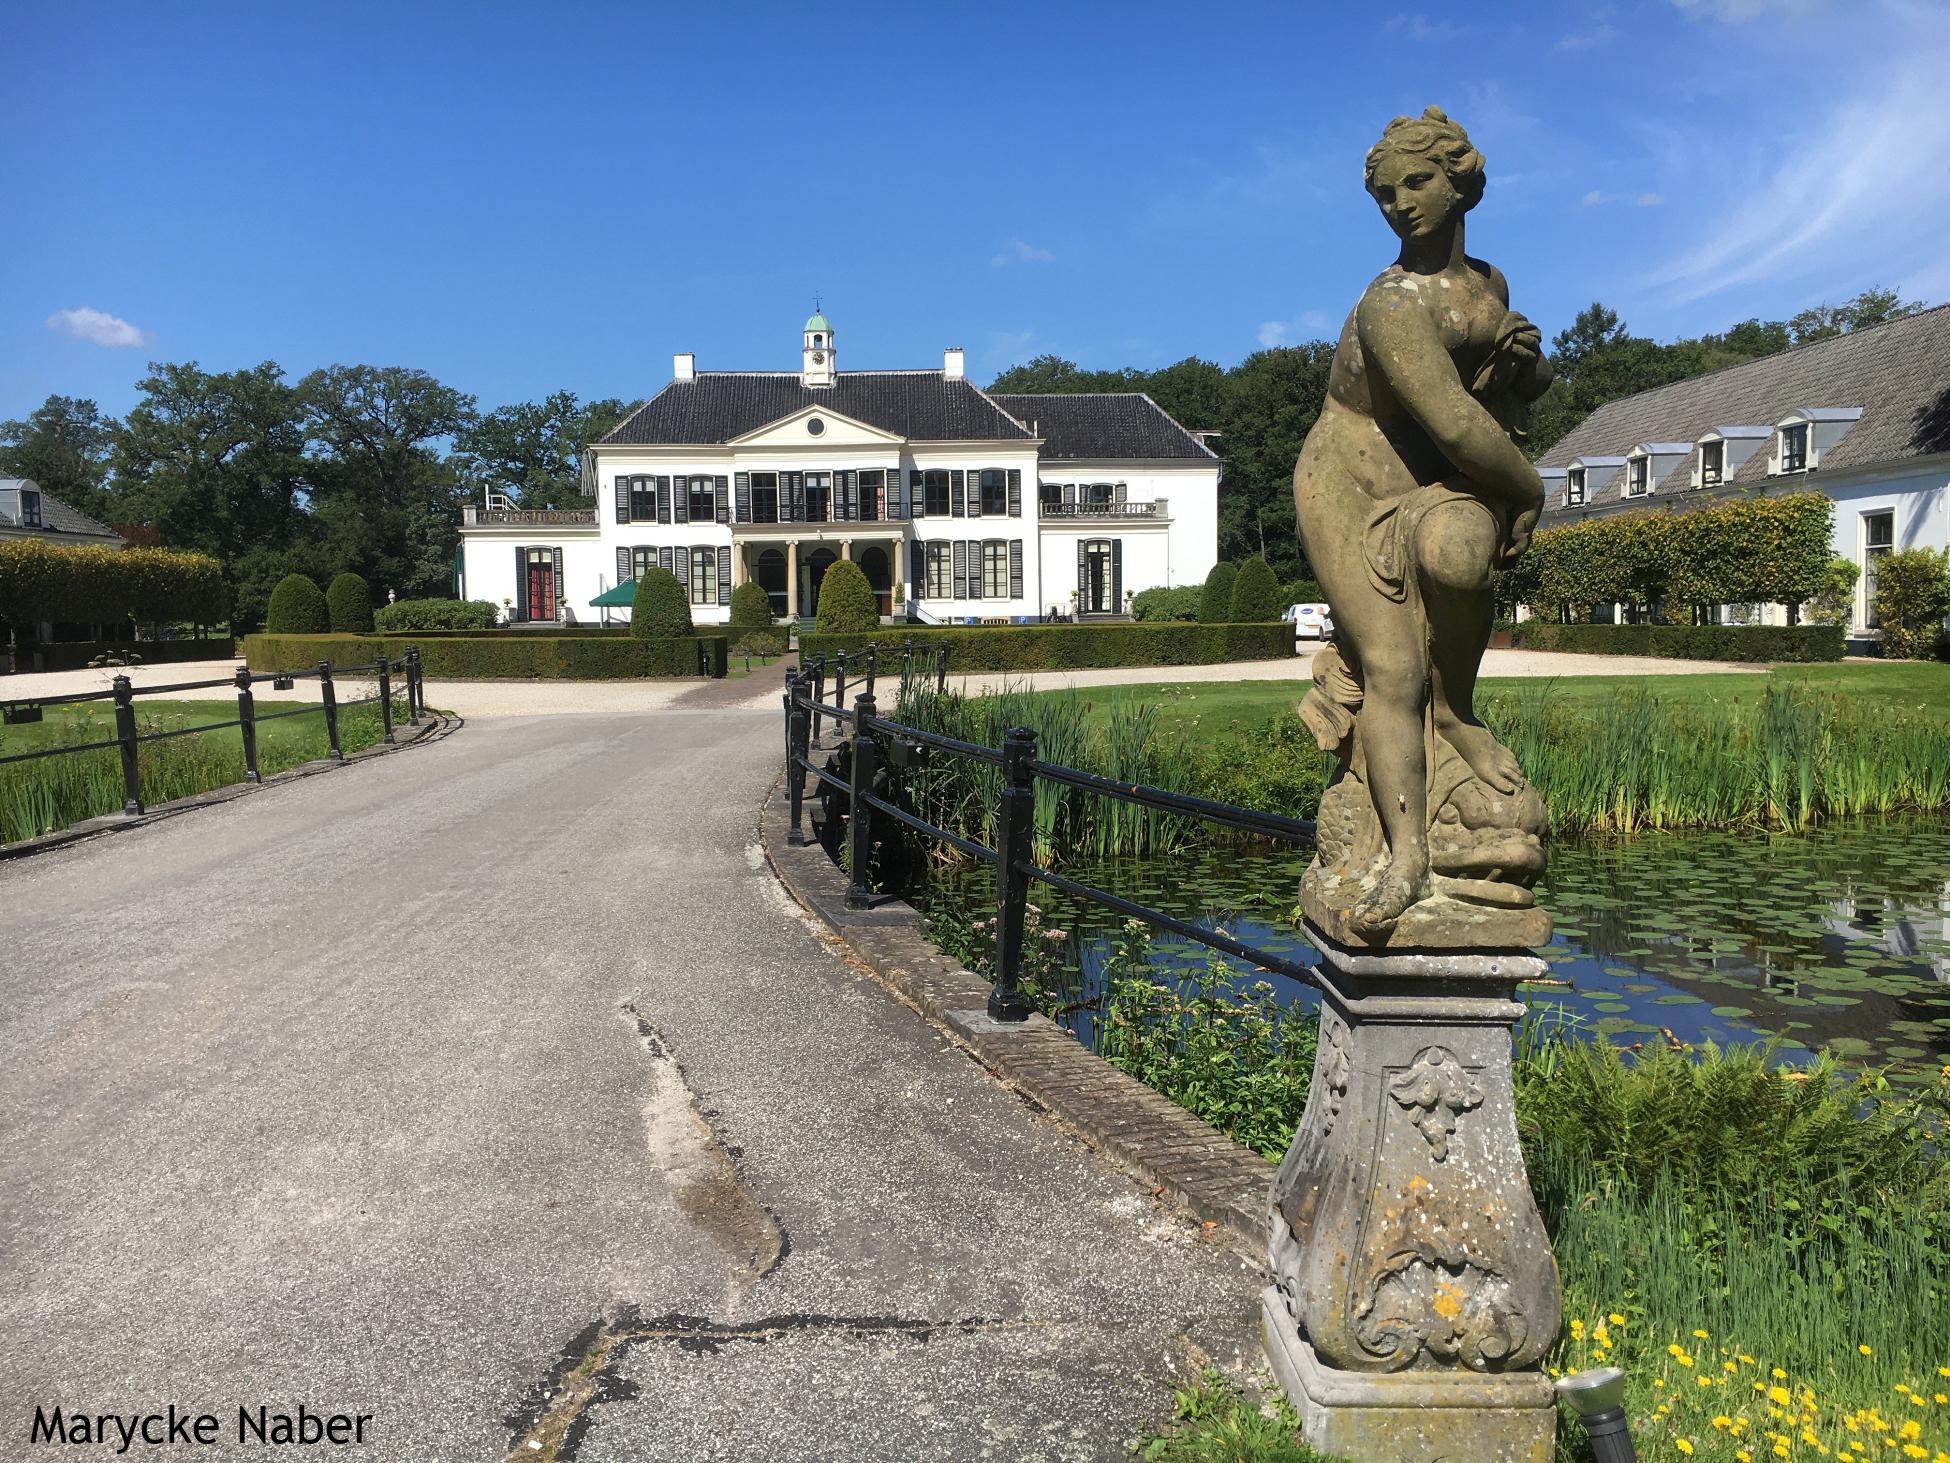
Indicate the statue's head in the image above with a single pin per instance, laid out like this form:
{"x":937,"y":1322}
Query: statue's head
{"x":1424,"y":172}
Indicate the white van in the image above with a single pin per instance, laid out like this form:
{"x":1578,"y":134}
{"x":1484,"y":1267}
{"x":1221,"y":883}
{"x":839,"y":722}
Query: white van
{"x":1310,"y":622}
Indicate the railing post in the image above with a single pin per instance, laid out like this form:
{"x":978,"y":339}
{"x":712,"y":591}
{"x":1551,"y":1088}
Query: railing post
{"x":413,"y":685}
{"x":386,"y":698}
{"x":839,"y":685}
{"x":331,"y":700}
{"x":859,"y":817}
{"x":247,"y":722}
{"x":1012,"y":850}
{"x":873,"y":663}
{"x":798,"y":741}
{"x":818,"y":694}
{"x":941,"y":671}
{"x":125,"y":735}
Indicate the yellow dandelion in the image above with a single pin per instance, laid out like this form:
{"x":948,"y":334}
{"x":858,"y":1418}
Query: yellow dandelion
{"x":1866,"y":1350}
{"x":1701,"y":1336}
{"x":1685,"y":1447}
{"x":1618,"y":1320}
{"x":1779,"y":1375}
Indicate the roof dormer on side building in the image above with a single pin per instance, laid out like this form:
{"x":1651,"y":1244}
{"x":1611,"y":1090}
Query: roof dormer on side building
{"x":26,"y":511}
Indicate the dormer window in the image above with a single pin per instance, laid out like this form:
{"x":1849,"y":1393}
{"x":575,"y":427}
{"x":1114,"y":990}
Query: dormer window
{"x":30,"y":509}
{"x":1637,"y":475}
{"x":1794,"y":447}
{"x":1712,"y":463}
{"x":1574,"y":486}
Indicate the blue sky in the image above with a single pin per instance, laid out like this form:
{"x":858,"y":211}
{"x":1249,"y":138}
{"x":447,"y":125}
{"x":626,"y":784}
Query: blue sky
{"x":525,"y":198}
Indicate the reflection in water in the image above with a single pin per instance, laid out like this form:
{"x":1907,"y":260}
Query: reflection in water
{"x":1838,"y":938}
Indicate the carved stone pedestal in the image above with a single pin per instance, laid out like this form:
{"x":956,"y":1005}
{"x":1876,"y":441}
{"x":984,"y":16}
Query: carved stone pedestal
{"x":1414,"y":1288}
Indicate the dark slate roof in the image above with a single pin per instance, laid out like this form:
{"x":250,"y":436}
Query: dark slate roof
{"x":1122,"y":426}
{"x":58,"y":517}
{"x":922,"y":406}
{"x":1898,"y":373}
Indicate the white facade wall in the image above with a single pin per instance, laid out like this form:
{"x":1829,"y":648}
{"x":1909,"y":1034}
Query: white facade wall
{"x":1917,"y":498}
{"x":488,"y":566}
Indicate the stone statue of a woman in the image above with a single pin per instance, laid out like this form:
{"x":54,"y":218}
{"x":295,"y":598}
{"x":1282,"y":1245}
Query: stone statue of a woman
{"x":1411,"y":489}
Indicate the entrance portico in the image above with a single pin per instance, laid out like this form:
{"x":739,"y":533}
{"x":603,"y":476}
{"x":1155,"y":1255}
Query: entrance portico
{"x":788,"y":560}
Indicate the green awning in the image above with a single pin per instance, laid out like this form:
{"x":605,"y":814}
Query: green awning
{"x":621,"y":597}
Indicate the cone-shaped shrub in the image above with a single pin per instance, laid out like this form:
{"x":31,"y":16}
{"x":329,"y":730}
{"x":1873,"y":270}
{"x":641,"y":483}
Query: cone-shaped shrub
{"x":846,"y":602}
{"x":1215,"y":605}
{"x":348,"y":603}
{"x":297,"y":608}
{"x":661,"y":607}
{"x":1255,"y":594}
{"x":751,"y":607}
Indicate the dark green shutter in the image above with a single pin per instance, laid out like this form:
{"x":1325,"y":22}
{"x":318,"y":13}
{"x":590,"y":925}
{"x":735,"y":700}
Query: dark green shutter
{"x":1069,"y":495}
{"x":667,"y":559}
{"x":897,"y":493}
{"x":794,"y":492}
{"x":622,"y":500}
{"x":1083,"y":575}
{"x":622,"y":565}
{"x":742,"y":493}
{"x":917,"y":569}
{"x":724,"y":573}
{"x":1015,"y":492}
{"x":560,"y":597}
{"x":663,"y":500}
{"x":975,"y":477}
{"x":846,"y":488}
{"x":1117,"y":576}
{"x":1015,"y":568}
{"x":721,"y":488}
{"x":521,"y":581}
{"x":681,"y":497}
{"x":957,"y":494}
{"x":961,"y":568}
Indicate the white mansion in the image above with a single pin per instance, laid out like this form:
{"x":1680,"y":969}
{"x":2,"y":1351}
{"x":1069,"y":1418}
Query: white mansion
{"x":958,"y":505}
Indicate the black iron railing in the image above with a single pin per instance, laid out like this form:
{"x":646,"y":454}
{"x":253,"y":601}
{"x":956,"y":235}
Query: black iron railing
{"x":129,"y":740}
{"x":1013,"y":856}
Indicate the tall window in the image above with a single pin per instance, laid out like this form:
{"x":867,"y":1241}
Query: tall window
{"x":941,"y":570}
{"x":704,"y":577}
{"x":704,"y":500}
{"x":1794,"y":447}
{"x":934,"y":492}
{"x":1712,"y":463}
{"x":1636,"y":476}
{"x":765,"y":497}
{"x":1878,"y":538}
{"x":641,"y":561}
{"x":995,"y":492}
{"x":1574,"y":486}
{"x":1099,"y":495}
{"x":30,"y":509}
{"x":643,"y":500}
{"x":995,"y":569}
{"x":1050,"y":495}
{"x":819,"y":497}
{"x":873,"y":487}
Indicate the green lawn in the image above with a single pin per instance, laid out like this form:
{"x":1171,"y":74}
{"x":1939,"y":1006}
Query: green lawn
{"x":1210,"y":707}
{"x":94,"y":721}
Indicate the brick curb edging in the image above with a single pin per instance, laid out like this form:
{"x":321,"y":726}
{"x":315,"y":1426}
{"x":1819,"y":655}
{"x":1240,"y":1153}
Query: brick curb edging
{"x":406,"y":736}
{"x":1143,"y":1132}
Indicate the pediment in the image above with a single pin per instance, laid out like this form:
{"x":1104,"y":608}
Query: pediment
{"x":835,"y":429}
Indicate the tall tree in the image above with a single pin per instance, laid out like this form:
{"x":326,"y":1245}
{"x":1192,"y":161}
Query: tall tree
{"x":532,"y":450}
{"x":1872,"y":307}
{"x":213,"y":461}
{"x":63,"y":445}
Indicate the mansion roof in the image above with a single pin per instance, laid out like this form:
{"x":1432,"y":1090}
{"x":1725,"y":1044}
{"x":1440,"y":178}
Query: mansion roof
{"x":716,"y":406}
{"x":1897,"y":374}
{"x":1122,"y":426}
{"x":56,"y":516}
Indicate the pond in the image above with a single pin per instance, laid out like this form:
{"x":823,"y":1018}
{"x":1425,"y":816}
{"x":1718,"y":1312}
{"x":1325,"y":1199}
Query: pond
{"x":1839,"y":938}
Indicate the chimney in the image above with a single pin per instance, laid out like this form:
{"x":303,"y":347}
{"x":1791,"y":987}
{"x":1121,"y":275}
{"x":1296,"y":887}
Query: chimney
{"x":951,"y":364}
{"x":683,"y":366}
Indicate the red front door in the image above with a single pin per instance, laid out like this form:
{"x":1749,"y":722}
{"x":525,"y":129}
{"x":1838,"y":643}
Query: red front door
{"x":541,"y":590}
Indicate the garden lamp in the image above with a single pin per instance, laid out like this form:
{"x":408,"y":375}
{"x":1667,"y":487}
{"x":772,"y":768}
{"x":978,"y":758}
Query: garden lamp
{"x":1598,"y":1397}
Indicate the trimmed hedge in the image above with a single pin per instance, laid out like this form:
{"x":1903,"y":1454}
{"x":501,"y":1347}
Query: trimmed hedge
{"x":662,"y":609}
{"x":74,"y":584}
{"x":74,"y":655}
{"x":348,"y":602}
{"x":297,"y":608}
{"x":1255,"y":594}
{"x":1215,"y":604}
{"x":438,"y":614}
{"x":1154,"y":605}
{"x":1686,"y":642}
{"x":501,"y":657}
{"x":1072,"y":647}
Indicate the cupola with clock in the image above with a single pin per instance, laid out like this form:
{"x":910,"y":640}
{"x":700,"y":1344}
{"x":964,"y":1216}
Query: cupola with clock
{"x":818,"y":369}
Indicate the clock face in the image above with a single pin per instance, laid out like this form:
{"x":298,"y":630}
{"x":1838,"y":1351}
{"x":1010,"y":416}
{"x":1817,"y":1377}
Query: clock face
{"x":819,"y":358}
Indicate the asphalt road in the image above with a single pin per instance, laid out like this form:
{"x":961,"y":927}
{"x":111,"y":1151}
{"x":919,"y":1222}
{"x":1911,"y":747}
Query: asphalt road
{"x":494,"y":1090}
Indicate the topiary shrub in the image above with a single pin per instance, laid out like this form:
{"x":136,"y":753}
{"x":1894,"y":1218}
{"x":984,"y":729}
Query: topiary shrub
{"x":297,"y":608}
{"x":348,"y":605}
{"x":1912,"y":597}
{"x":846,"y":602}
{"x":1215,"y":605}
{"x":437,"y":614}
{"x":751,"y":607}
{"x":1167,"y":604}
{"x":661,"y":608}
{"x":1255,"y":594}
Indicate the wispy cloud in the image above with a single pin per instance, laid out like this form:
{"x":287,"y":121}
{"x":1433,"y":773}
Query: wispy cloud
{"x":1017,"y":252}
{"x":1273,"y":333}
{"x":1307,"y":325}
{"x":1421,"y":28}
{"x":97,"y":327}
{"x":1598,"y":31}
{"x":1276,"y":182}
{"x":1596,"y":199}
{"x":1739,"y":12}
{"x":1845,"y":195}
